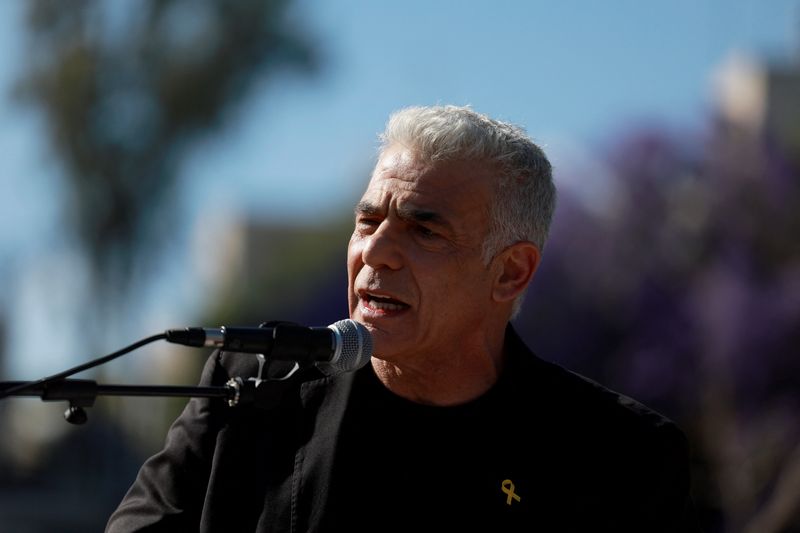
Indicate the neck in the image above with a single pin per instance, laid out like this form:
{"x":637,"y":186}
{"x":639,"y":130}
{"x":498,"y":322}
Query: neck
{"x":455,"y":379}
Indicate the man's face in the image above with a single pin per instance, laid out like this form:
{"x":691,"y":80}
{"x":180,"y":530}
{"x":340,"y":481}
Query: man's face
{"x":416,"y":276}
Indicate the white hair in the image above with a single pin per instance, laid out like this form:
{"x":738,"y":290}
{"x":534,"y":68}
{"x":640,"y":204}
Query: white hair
{"x":525,"y":196}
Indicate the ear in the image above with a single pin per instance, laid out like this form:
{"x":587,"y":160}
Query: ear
{"x":515,"y":267}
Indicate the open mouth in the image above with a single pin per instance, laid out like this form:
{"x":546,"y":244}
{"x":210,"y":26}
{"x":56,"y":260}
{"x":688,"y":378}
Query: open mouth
{"x":383,"y":303}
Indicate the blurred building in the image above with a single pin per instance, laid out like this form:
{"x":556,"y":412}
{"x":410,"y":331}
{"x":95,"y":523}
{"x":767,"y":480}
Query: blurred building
{"x":761,"y":99}
{"x":3,"y":354}
{"x":268,"y":270}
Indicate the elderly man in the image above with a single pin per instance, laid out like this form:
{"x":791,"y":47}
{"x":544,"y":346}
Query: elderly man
{"x":455,"y":425}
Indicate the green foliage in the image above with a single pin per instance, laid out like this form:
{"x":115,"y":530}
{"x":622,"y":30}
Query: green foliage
{"x":126,"y":87}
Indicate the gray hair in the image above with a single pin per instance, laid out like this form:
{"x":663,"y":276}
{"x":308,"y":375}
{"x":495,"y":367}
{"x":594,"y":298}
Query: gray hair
{"x":525,"y":195}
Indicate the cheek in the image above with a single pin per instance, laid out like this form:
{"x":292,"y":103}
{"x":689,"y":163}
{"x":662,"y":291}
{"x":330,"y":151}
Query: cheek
{"x":354,"y":262}
{"x":457,"y":284}
{"x":353,"y":249}
{"x":352,"y":272}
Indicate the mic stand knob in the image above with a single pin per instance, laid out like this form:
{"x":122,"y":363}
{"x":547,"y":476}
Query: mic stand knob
{"x":75,"y":414}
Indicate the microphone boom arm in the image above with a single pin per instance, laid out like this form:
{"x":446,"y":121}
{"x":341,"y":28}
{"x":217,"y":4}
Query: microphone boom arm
{"x":81,"y":393}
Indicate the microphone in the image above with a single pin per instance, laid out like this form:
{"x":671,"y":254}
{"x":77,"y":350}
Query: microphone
{"x":343,"y":346}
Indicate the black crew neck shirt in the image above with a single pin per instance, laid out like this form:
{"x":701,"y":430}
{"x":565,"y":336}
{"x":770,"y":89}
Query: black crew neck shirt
{"x":403,"y":466}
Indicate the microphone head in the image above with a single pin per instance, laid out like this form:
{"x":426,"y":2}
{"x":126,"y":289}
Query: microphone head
{"x":353,"y":348}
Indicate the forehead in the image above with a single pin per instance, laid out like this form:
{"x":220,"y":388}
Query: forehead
{"x":456,"y":186}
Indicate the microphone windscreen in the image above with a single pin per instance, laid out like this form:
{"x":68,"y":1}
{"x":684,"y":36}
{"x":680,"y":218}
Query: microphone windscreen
{"x":353,"y":350}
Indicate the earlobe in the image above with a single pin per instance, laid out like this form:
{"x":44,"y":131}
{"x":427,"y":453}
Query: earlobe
{"x":516,"y":266}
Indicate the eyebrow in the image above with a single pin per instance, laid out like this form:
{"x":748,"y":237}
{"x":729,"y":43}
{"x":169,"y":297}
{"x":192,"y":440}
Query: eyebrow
{"x":366,"y":208}
{"x":413,"y":214}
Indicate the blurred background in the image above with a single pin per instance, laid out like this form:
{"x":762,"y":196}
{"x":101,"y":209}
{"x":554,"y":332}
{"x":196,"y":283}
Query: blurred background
{"x":170,"y":163}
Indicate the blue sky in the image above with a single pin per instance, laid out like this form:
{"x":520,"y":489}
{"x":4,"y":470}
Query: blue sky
{"x":564,"y":70}
{"x":300,"y":148}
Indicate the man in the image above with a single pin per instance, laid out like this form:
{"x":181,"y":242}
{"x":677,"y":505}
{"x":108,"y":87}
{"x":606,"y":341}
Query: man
{"x":455,"y":425}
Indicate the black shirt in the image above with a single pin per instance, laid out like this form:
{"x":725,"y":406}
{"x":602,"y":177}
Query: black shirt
{"x":403,"y":466}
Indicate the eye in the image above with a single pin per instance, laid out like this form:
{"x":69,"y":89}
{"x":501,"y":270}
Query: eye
{"x":366,"y":224}
{"x":425,"y":232}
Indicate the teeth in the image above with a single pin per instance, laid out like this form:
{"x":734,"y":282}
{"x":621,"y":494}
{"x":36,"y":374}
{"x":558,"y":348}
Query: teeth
{"x":383,"y":303}
{"x":385,"y":306}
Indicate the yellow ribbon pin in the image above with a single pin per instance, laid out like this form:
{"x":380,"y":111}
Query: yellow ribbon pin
{"x":508,"y":488}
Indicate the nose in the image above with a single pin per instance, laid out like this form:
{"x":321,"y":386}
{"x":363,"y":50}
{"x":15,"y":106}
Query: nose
{"x":383,"y":248}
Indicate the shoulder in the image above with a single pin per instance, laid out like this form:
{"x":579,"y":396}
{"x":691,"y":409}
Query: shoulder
{"x":572,"y":392}
{"x":594,"y":403}
{"x":582,"y":410}
{"x":631,"y":460}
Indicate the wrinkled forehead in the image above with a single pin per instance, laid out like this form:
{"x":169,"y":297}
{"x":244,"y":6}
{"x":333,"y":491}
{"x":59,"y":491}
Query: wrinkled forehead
{"x":401,"y":163}
{"x":454,"y":188}
{"x":398,"y":163}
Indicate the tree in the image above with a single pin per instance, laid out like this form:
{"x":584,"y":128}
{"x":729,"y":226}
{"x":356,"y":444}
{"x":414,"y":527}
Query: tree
{"x":125,"y":89}
{"x":684,"y":292}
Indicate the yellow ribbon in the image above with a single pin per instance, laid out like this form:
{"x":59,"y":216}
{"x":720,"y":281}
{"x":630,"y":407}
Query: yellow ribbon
{"x":508,"y":488}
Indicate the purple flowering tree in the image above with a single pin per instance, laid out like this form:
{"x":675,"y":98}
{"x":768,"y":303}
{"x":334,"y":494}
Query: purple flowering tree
{"x":682,"y":289}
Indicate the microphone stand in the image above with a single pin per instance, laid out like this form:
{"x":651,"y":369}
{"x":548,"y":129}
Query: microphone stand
{"x":82,"y":393}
